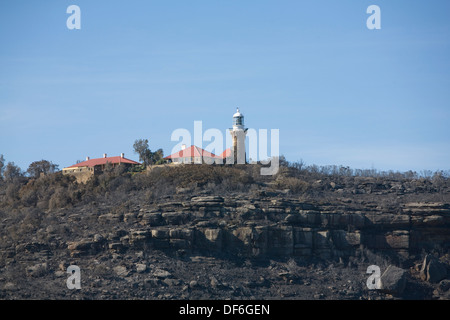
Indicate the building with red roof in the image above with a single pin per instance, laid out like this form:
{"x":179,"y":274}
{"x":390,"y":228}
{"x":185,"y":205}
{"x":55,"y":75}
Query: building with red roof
{"x":193,"y":154}
{"x":86,"y":169}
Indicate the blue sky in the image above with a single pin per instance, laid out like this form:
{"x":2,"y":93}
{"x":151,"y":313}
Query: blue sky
{"x":338,"y":92}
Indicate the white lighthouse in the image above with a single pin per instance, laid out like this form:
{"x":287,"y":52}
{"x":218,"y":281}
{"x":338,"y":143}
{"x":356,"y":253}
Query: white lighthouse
{"x":238,"y":133}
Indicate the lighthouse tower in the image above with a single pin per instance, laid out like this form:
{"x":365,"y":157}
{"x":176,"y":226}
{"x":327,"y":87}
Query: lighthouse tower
{"x":238,"y":133}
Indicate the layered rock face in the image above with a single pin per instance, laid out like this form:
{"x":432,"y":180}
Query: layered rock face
{"x":269,"y":226}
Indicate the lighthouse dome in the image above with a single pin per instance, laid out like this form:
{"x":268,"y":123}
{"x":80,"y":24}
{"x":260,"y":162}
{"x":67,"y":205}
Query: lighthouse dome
{"x":237,"y":114}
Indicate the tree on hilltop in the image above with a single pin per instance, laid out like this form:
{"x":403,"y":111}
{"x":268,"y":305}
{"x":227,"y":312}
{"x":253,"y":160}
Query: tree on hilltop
{"x":37,"y":168}
{"x":11,"y":172}
{"x":146,"y":156}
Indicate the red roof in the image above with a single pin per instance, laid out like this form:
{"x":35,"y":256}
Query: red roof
{"x":102,"y":161}
{"x":226,"y":154}
{"x":192,"y":151}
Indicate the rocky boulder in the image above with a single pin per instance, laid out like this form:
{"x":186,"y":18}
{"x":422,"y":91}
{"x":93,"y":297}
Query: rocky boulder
{"x":393,"y":280}
{"x":207,"y":200}
{"x":81,"y":247}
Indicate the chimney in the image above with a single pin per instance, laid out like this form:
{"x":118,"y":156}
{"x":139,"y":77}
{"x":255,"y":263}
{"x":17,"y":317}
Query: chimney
{"x":87,"y":158}
{"x":183,"y":146}
{"x":122,"y":155}
{"x":104,"y":155}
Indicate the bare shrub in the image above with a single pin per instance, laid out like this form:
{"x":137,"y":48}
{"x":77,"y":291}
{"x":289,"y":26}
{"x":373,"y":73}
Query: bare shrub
{"x":12,"y":192}
{"x":28,"y":198}
{"x":295,"y":185}
{"x":59,"y":199}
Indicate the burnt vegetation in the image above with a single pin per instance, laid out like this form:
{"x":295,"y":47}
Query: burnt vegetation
{"x":44,"y":188}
